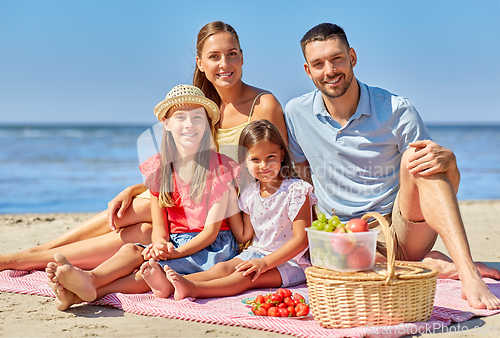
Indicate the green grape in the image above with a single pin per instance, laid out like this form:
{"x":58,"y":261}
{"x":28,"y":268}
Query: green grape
{"x":315,"y":223}
{"x":328,"y":227}
{"x":321,"y":225}
{"x":322,"y":217}
{"x":313,"y":227}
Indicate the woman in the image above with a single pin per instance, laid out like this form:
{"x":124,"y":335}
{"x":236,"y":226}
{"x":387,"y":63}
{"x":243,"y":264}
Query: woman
{"x":218,"y":74}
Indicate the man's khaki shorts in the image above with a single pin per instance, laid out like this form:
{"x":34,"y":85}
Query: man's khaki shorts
{"x":413,"y":239}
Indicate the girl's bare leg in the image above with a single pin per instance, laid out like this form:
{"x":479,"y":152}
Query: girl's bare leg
{"x":157,"y":280}
{"x":139,"y":211}
{"x":86,"y":254}
{"x":73,"y":285}
{"x":231,"y":285}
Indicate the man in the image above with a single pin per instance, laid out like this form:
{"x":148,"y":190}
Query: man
{"x":365,"y":149}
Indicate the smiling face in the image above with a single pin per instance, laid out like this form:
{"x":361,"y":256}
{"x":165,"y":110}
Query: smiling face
{"x":187,"y":124}
{"x":330,"y":66}
{"x":264,"y":162}
{"x":221,"y":59}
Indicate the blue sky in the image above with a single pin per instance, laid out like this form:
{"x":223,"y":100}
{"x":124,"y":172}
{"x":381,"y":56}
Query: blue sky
{"x":112,"y":61}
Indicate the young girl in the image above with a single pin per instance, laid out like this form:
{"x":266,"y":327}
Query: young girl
{"x":275,"y":207}
{"x":189,"y":200}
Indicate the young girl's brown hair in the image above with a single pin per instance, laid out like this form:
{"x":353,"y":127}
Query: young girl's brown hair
{"x":262,"y":131}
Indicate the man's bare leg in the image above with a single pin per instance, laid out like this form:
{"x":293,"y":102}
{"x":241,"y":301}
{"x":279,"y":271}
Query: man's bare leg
{"x":86,"y":254}
{"x":139,"y":211}
{"x":433,"y":198}
{"x":448,"y":270}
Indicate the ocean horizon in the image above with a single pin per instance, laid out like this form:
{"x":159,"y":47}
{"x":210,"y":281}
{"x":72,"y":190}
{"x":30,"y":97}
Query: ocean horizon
{"x":67,"y":167}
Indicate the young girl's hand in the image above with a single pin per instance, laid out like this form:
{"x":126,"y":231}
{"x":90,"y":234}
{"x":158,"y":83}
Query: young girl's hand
{"x":257,"y":265}
{"x":158,"y":251}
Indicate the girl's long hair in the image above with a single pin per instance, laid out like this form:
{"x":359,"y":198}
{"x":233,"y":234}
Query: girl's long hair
{"x":199,"y":78}
{"x":255,"y":133}
{"x":169,"y":154}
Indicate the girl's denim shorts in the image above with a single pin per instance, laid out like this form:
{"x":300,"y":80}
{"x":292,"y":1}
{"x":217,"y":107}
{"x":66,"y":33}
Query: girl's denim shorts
{"x":222,"y":249}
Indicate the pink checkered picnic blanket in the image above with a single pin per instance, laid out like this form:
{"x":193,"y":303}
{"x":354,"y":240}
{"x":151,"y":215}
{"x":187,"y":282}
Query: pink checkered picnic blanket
{"x":448,"y":307}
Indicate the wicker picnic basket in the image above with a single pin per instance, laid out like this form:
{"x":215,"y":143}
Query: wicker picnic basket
{"x":390,"y":294}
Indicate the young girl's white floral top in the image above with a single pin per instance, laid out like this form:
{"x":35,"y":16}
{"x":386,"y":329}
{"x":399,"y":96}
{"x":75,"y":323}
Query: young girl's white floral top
{"x":272,"y":217}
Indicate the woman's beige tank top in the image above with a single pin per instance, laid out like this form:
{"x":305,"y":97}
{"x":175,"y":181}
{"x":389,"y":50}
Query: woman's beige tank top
{"x":229,"y":138}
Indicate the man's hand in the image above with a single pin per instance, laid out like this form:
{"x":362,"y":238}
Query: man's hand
{"x":430,"y":158}
{"x":257,"y":265}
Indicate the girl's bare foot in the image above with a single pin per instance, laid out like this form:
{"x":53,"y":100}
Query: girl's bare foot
{"x":74,"y":279}
{"x":64,"y":298}
{"x":183,"y":287}
{"x":156,"y":278}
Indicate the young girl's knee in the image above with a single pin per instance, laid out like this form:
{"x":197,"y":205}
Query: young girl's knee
{"x":130,"y":249}
{"x":223,"y":268}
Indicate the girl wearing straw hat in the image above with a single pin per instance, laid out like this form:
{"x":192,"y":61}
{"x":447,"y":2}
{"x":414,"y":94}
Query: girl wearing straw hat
{"x":218,"y":74}
{"x":189,"y":198}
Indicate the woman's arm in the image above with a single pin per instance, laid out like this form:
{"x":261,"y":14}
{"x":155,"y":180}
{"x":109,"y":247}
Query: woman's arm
{"x":289,"y":250}
{"x":268,"y":108}
{"x":122,"y":202}
{"x":209,"y":233}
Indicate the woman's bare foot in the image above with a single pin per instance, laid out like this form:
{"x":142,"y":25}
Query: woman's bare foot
{"x":74,"y":279}
{"x":183,"y":287}
{"x":156,"y":278}
{"x":64,"y":298}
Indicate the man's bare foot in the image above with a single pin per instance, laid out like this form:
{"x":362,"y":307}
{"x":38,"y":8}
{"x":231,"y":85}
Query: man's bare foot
{"x":74,"y":279}
{"x":183,"y":287}
{"x":487,"y":271}
{"x":156,"y":278}
{"x":478,"y":295}
{"x":447,"y":268}
{"x":64,"y":298}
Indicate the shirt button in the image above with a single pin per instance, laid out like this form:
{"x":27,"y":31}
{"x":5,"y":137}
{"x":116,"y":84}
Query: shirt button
{"x":339,"y":133}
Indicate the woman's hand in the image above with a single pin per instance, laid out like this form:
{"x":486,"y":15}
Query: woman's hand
{"x":120,"y":202}
{"x":257,"y":265}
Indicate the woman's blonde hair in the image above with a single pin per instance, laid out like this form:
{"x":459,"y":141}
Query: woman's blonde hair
{"x":199,"y":78}
{"x":168,"y":153}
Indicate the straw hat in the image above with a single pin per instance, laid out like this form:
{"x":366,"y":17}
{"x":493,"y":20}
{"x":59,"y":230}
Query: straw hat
{"x":187,"y":94}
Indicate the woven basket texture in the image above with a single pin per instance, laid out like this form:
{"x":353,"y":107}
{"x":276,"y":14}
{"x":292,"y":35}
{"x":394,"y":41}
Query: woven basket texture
{"x":390,"y":294}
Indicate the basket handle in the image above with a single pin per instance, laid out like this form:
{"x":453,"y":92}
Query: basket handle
{"x":389,"y":240}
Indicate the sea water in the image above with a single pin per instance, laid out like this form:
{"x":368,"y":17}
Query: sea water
{"x":81,"y":168}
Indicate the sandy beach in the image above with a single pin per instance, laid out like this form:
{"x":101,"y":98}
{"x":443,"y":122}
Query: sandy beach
{"x":36,"y":316}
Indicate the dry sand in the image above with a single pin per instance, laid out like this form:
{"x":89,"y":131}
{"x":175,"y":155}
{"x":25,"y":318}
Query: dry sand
{"x":35,"y":316}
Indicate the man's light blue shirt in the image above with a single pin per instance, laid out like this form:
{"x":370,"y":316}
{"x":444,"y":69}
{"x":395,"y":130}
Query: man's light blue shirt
{"x":354,"y":168}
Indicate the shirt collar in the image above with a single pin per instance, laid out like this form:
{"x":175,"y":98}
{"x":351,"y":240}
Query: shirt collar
{"x":363,"y":108}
